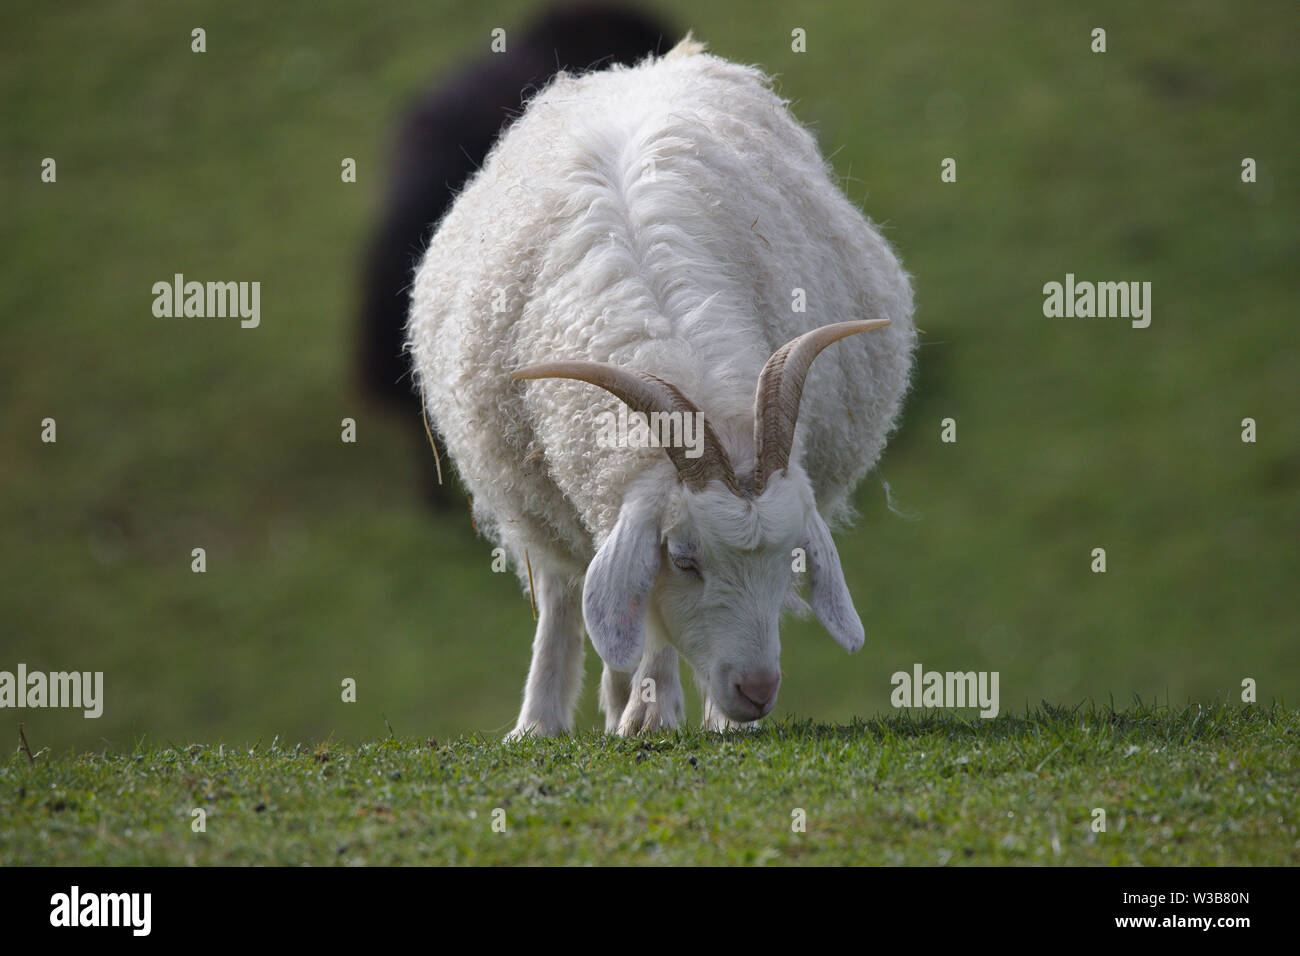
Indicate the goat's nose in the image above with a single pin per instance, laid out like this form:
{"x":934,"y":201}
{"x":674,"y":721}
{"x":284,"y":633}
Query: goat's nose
{"x":760,"y":689}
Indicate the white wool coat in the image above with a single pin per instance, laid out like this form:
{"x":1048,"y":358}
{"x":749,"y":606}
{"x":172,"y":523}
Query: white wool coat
{"x":661,"y":217}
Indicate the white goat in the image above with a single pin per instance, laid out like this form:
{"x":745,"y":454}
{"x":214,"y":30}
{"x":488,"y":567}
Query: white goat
{"x":654,"y":231}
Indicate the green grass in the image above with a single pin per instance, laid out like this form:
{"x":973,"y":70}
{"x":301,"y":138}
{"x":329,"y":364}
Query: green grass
{"x":1195,"y":785}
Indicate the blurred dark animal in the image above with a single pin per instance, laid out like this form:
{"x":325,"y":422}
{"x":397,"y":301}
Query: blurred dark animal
{"x":442,"y":140}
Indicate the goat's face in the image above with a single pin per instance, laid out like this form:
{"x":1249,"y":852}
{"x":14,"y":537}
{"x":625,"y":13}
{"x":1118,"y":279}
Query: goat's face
{"x":728,"y":570}
{"x":717,"y":569}
{"x":713,"y":559}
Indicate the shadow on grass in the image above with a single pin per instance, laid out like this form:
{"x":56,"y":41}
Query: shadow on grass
{"x":1144,"y":722}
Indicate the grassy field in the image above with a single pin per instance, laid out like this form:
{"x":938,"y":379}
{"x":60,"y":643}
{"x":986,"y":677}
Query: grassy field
{"x":323,"y":562}
{"x":1188,"y":786}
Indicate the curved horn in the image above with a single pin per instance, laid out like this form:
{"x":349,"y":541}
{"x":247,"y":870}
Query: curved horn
{"x":780,"y":387}
{"x":646,"y":393}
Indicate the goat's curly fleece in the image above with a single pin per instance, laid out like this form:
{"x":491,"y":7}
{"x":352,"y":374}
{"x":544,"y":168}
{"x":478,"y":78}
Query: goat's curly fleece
{"x":658,"y":217}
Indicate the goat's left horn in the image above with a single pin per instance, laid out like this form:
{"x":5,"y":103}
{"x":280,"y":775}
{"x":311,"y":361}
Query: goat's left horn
{"x":780,"y":387}
{"x":646,"y":393}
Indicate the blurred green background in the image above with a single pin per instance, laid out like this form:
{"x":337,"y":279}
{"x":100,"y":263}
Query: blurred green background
{"x":324,"y":561}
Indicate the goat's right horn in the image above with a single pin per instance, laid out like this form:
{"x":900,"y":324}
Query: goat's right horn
{"x":646,"y":393}
{"x":780,"y":387}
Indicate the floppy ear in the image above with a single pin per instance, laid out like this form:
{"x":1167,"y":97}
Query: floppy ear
{"x":617,"y":587}
{"x":827,"y":592}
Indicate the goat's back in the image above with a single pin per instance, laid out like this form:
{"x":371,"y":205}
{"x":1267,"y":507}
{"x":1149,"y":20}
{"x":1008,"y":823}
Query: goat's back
{"x":663,"y":217}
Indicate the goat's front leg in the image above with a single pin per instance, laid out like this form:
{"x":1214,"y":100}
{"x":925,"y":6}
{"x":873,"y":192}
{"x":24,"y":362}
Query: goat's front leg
{"x":555,"y":676}
{"x":615,"y":689}
{"x":655,"y":700}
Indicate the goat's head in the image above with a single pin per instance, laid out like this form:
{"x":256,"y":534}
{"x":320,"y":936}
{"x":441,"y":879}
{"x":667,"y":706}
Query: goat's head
{"x":713,"y":557}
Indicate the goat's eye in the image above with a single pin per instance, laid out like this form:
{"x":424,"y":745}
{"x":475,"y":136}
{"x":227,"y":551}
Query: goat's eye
{"x":684,"y":563}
